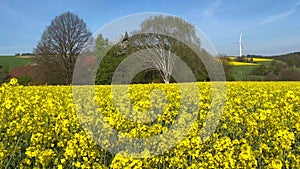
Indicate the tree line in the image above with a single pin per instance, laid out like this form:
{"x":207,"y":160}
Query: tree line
{"x":63,"y":40}
{"x":67,"y":35}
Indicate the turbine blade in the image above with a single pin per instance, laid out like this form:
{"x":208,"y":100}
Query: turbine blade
{"x":241,"y":37}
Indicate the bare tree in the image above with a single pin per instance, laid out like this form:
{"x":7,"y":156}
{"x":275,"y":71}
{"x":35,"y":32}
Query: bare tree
{"x":59,"y":47}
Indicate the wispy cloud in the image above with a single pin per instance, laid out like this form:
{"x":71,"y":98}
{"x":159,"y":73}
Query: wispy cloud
{"x":211,"y":9}
{"x":297,"y":3}
{"x":281,"y":15}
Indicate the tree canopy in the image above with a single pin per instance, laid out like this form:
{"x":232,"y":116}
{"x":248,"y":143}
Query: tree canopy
{"x":59,"y":46}
{"x":156,"y":34}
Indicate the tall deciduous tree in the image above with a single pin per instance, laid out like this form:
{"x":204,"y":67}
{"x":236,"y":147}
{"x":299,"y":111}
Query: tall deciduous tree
{"x":162,"y":36}
{"x":59,"y":46}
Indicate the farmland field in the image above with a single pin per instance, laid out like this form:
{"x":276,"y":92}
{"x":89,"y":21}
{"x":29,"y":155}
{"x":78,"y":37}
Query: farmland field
{"x":259,"y":127}
{"x":13,"y":61}
{"x":243,"y":70}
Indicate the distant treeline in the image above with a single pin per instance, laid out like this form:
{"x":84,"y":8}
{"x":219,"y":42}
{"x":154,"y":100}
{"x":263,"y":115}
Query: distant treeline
{"x":283,"y":56}
{"x":291,"y":59}
{"x":283,"y":68}
{"x":24,"y":54}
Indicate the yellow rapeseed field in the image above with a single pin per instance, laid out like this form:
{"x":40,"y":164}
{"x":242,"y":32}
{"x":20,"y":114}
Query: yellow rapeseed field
{"x":262,"y":60}
{"x":234,"y":63}
{"x":259,"y":128}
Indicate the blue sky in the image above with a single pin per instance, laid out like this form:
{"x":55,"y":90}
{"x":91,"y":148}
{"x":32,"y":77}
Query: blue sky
{"x":269,"y":26}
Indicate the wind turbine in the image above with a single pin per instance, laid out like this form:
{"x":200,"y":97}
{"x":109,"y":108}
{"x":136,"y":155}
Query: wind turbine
{"x":241,"y":45}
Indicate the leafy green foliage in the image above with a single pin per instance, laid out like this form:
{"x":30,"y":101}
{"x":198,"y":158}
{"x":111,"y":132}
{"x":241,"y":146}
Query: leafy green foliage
{"x":170,"y":34}
{"x":4,"y":71}
{"x":278,"y":70}
{"x":118,"y":53}
{"x":292,"y":59}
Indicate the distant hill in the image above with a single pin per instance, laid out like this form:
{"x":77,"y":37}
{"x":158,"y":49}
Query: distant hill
{"x":288,"y":55}
{"x":276,"y":67}
{"x":292,"y":59}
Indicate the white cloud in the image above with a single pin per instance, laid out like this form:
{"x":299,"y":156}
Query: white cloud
{"x":211,"y":9}
{"x":297,"y":3}
{"x":278,"y":16}
{"x":281,"y":15}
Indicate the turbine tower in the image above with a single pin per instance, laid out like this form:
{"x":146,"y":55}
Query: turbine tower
{"x":241,"y":45}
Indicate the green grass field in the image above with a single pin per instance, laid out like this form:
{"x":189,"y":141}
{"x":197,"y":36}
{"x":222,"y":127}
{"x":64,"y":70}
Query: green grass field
{"x":13,"y":61}
{"x":243,"y":71}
